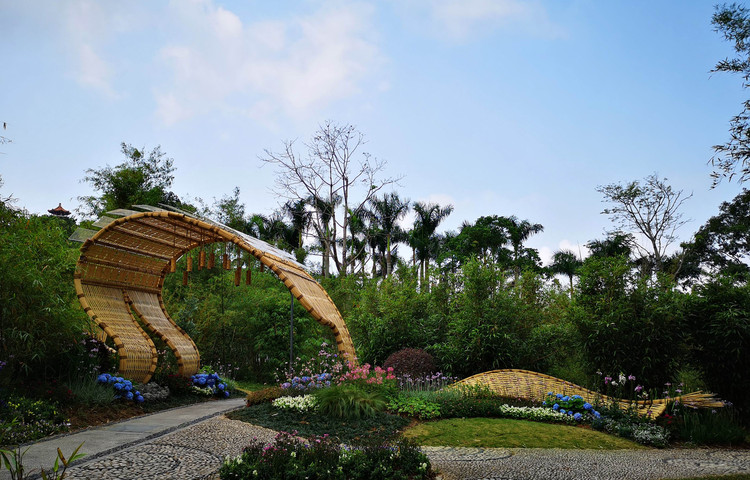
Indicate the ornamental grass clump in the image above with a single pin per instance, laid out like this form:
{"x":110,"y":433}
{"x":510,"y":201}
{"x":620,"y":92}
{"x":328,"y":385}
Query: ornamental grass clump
{"x":321,"y":457}
{"x":349,"y":401}
{"x":123,"y":387}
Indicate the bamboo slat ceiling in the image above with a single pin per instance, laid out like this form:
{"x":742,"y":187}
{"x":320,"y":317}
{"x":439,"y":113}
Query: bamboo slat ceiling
{"x":122,"y":268}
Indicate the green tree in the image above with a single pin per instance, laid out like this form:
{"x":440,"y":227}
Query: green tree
{"x":300,"y":217}
{"x":387,"y":211}
{"x":485,"y":240}
{"x":627,"y":324}
{"x":722,"y":244}
{"x":718,"y":326}
{"x":518,"y":232}
{"x":40,"y":321}
{"x":733,"y":157}
{"x":230,"y":211}
{"x":566,"y":262}
{"x":423,"y":239}
{"x":141,"y":179}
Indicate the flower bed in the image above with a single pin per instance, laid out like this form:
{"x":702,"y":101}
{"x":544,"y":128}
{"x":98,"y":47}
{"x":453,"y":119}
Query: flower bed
{"x":322,"y":457}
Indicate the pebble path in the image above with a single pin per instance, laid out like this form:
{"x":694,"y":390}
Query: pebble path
{"x":196,"y":452}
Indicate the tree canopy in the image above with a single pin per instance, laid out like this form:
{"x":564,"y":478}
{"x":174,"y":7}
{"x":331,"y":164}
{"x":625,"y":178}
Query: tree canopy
{"x":732,"y":158}
{"x":143,"y":178}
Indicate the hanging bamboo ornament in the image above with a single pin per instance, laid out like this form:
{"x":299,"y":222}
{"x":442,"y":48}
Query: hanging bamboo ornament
{"x":189,"y":264}
{"x":184,"y":277}
{"x":238,"y":274}
{"x":173,"y":265}
{"x":262,"y":267}
{"x":211,"y":260}
{"x":201,"y":259}
{"x":248,"y":277}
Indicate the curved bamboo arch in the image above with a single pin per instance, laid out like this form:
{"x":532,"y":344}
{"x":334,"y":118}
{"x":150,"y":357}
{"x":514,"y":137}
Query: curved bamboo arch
{"x":122,"y":269}
{"x":515,"y":383}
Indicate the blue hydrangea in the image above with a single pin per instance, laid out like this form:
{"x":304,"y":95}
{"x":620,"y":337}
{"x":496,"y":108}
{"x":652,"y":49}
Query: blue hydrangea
{"x":559,"y":396}
{"x":577,"y":416}
{"x":556,"y":406}
{"x":587,"y":406}
{"x":566,"y":398}
{"x":597,"y":414}
{"x":562,"y":410}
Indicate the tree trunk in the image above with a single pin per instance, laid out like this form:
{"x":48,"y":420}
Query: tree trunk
{"x":388,"y":260}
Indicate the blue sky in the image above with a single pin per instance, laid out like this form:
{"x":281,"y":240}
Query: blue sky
{"x":503,"y":107}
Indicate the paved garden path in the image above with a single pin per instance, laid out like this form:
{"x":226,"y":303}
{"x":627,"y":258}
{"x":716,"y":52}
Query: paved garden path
{"x":191,"y":442}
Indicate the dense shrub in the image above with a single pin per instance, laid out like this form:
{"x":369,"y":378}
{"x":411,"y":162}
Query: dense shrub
{"x":709,"y":427}
{"x":39,"y":314}
{"x":719,"y":332}
{"x":414,"y":362}
{"x":627,"y":324}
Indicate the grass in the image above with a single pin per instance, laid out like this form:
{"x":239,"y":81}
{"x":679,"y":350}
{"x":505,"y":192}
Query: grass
{"x":248,"y":386}
{"x":378,"y":428}
{"x":507,"y":433}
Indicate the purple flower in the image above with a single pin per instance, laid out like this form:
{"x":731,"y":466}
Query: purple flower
{"x":639,"y":388}
{"x":607,"y":380}
{"x":631,"y":378}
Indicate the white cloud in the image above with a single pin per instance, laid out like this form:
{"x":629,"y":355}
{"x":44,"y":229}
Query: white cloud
{"x":88,"y":26}
{"x":466,"y":19}
{"x":265,"y":67}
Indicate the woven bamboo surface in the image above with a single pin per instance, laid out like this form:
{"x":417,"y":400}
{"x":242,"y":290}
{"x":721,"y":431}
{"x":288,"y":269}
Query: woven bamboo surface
{"x":108,"y":308}
{"x":535,"y":386}
{"x":150,"y":308}
{"x":133,"y":254}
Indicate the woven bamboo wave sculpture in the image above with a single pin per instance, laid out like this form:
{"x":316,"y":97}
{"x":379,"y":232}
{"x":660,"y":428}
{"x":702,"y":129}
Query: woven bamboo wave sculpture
{"x":535,"y":386}
{"x":121,"y":272}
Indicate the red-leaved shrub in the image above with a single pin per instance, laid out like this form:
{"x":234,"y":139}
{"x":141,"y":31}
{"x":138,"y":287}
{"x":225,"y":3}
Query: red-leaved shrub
{"x":414,"y":362}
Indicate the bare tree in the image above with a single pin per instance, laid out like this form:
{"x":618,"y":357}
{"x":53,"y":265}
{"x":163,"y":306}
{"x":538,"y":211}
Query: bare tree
{"x":333,"y":173}
{"x":650,"y":209}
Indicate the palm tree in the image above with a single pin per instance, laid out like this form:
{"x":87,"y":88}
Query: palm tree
{"x":565,"y":262}
{"x":387,"y":211}
{"x":422,"y":239}
{"x":301,"y":218}
{"x":324,"y":209}
{"x":518,"y":232}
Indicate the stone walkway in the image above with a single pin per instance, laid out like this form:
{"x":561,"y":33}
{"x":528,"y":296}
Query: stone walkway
{"x":195,"y":451}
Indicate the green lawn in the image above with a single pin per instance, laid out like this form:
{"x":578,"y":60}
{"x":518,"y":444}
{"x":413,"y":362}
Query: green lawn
{"x":247,"y":386}
{"x":507,"y":433}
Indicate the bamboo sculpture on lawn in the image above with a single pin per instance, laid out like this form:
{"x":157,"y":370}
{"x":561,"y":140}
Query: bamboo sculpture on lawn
{"x":121,"y":272}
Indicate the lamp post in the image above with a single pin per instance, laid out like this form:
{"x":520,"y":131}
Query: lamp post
{"x":291,"y":331}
